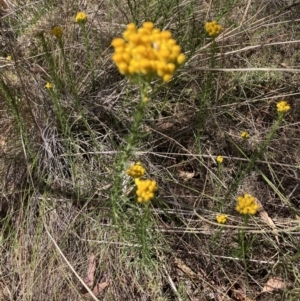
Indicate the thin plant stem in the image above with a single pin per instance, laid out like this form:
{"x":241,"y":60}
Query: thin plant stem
{"x":88,"y":53}
{"x":207,"y":90}
{"x":51,"y":62}
{"x":68,"y":71}
{"x":144,"y":222}
{"x":219,"y":183}
{"x":126,"y":152}
{"x":255,"y":156}
{"x":243,"y":247}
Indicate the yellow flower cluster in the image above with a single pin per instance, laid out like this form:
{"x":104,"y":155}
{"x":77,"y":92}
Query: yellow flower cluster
{"x":244,"y":135}
{"x":221,"y":218}
{"x":147,"y":51}
{"x":57,"y":31}
{"x":48,"y":86}
{"x":136,"y":171}
{"x":213,"y":28}
{"x":283,"y":106}
{"x":81,"y":17}
{"x":220,"y":159}
{"x":246,"y":204}
{"x":145,"y":190}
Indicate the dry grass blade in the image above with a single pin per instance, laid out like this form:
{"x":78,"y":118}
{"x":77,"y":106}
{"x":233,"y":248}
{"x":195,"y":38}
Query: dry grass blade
{"x":90,"y":292}
{"x":172,"y":284}
{"x":264,"y":215}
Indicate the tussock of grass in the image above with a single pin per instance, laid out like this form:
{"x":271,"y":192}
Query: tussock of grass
{"x":59,"y":148}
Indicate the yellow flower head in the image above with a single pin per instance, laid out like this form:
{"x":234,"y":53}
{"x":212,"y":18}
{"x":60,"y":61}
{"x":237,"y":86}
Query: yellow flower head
{"x":221,"y":218}
{"x":136,"y":171}
{"x":213,"y":28}
{"x":244,"y":135}
{"x":81,"y":17}
{"x":220,"y":159}
{"x":148,"y":52}
{"x":145,"y":99}
{"x":246,"y":204}
{"x":57,"y":31}
{"x":48,"y":86}
{"x":9,"y":58}
{"x":145,"y":190}
{"x":283,"y":106}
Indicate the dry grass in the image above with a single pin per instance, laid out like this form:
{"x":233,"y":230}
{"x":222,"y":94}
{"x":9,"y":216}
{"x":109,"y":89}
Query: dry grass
{"x":57,"y":181}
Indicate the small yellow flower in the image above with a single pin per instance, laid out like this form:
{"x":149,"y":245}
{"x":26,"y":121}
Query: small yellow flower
{"x":136,"y":171}
{"x":221,"y":218}
{"x":283,"y":106}
{"x":81,"y":17}
{"x":145,"y":190}
{"x":57,"y":31}
{"x":48,"y":86}
{"x":220,"y":159}
{"x":213,"y":28}
{"x":244,"y":135}
{"x":148,"y":52}
{"x":246,"y":204}
{"x":9,"y":58}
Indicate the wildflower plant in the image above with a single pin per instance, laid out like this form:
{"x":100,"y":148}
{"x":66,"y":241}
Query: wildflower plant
{"x":142,"y":54}
{"x":57,"y":31}
{"x":145,"y":190}
{"x":246,"y":204}
{"x":60,"y":83}
{"x":221,"y":218}
{"x":283,"y":107}
{"x":212,"y":28}
{"x":218,"y":188}
{"x":55,"y":78}
{"x":81,"y":18}
{"x":244,"y":135}
{"x":48,"y":86}
{"x":136,"y":171}
{"x":147,"y":52}
{"x":220,"y":159}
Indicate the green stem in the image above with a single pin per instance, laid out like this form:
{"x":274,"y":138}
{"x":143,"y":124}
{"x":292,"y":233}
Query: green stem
{"x":54,"y":76}
{"x":126,"y":153}
{"x":255,"y":156}
{"x":145,"y":219}
{"x":68,"y":70}
{"x":207,"y":91}
{"x":88,"y":53}
{"x":11,"y":100}
{"x":219,"y":184}
{"x":242,"y":239}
